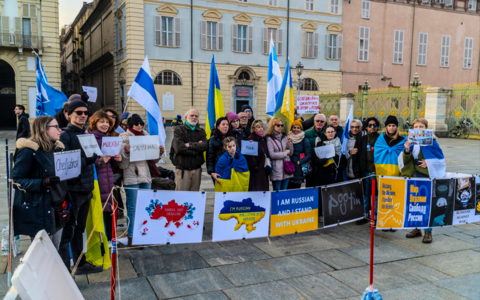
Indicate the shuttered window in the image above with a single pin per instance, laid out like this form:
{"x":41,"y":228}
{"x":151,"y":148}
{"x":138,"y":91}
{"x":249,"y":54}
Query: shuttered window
{"x":363,"y":43}
{"x":334,"y":7}
{"x":167,"y":31}
{"x":422,"y":49}
{"x":212,"y":35}
{"x":277,"y":36}
{"x":334,"y":46}
{"x":445,"y":51}
{"x":467,"y":53}
{"x":398,"y":46}
{"x":242,"y":38}
{"x":365,"y":9}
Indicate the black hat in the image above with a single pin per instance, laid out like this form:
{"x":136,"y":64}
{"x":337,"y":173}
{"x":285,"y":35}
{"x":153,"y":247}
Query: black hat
{"x":76,"y":104}
{"x":391,"y":120}
{"x":134,"y":119}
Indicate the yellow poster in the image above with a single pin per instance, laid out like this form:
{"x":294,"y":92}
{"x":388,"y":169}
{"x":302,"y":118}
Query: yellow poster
{"x":391,"y":202}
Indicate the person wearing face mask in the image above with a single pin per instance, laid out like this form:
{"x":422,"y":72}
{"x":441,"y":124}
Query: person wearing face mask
{"x":355,"y":133}
{"x":231,"y":159}
{"x":136,"y":174}
{"x":215,"y":146}
{"x":34,"y":173}
{"x":280,"y":148}
{"x":311,"y":135}
{"x":335,"y":122}
{"x":235,"y":129}
{"x":256,"y":164}
{"x":301,"y":154}
{"x":100,"y":126}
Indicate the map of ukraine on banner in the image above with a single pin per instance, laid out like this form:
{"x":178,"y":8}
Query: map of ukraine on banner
{"x":391,"y":203}
{"x":418,"y":202}
{"x":294,"y":211}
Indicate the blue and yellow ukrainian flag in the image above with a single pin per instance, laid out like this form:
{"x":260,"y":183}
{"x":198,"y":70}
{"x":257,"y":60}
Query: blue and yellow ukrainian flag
{"x":95,"y":216}
{"x":285,"y":104}
{"x":234,"y":176}
{"x":386,"y":157}
{"x":215,"y":103}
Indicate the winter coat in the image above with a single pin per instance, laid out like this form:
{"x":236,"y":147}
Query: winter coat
{"x":302,"y":147}
{"x":339,"y":131}
{"x":23,"y":127}
{"x":105,"y":173}
{"x":215,"y":150}
{"x":240,"y":136}
{"x":311,"y":135}
{"x":278,"y":156}
{"x":135,"y":172}
{"x":61,"y":120}
{"x":359,"y":159}
{"x":326,"y":175}
{"x":256,"y":165}
{"x":33,"y":206}
{"x":70,"y":140}
{"x":189,"y":158}
{"x":350,"y":145}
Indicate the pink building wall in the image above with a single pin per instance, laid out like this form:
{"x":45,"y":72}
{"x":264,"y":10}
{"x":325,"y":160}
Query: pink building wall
{"x":384,"y":19}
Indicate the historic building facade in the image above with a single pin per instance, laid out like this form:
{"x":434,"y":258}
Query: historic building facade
{"x":26,"y":24}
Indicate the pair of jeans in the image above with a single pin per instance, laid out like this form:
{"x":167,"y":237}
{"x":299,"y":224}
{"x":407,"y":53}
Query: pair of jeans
{"x":367,"y":194}
{"x":280,"y":185}
{"x":421,"y":175}
{"x":131,"y":192}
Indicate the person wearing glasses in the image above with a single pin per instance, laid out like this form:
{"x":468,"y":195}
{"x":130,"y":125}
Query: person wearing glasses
{"x":80,"y":189}
{"x":245,"y":131}
{"x":364,"y":164}
{"x":136,"y":174}
{"x":249,"y":111}
{"x":311,"y":135}
{"x":280,"y":148}
{"x":355,"y":132}
{"x":34,"y":173}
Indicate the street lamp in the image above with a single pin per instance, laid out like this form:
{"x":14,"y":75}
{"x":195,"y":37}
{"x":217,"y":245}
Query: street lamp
{"x":301,"y":77}
{"x":299,"y":69}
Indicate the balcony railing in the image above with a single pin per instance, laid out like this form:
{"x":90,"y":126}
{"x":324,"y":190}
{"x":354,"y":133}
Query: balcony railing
{"x":21,"y":41}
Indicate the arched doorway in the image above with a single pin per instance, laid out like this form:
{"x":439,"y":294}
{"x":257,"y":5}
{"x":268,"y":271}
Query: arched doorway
{"x":8,"y":119}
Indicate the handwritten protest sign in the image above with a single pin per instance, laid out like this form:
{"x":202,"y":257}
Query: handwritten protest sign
{"x":91,"y":92}
{"x":422,"y":137}
{"x":343,"y":203}
{"x":67,"y":164}
{"x":144,"y":148}
{"x":327,"y":151}
{"x":89,"y":144}
{"x":249,"y":148}
{"x":111,"y":145}
{"x":307,"y":104}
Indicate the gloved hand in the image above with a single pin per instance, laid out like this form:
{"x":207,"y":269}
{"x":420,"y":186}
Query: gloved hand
{"x":85,"y":97}
{"x":49,"y":182}
{"x":91,"y":160}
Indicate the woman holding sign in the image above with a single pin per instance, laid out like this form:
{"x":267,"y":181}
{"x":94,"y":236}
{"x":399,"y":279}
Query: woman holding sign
{"x":41,"y":198}
{"x":256,"y":164}
{"x":136,"y":174}
{"x":301,"y":154}
{"x":280,"y":148}
{"x":100,"y":125}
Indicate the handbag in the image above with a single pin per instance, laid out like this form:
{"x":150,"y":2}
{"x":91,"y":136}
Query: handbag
{"x":288,"y":166}
{"x":268,"y":164}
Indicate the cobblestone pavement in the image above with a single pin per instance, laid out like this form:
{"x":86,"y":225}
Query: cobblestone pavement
{"x":323,"y":264}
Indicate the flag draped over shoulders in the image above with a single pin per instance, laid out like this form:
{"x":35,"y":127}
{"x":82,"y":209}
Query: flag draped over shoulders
{"x":433,"y":156}
{"x":386,"y":157}
{"x":215,"y":103}
{"x":234,"y":176}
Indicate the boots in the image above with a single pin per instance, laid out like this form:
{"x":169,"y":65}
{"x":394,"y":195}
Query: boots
{"x":414,"y":233}
{"x":427,"y":239}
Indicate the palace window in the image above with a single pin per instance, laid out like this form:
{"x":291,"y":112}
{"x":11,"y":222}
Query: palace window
{"x":363,"y":43}
{"x":365,"y":9}
{"x":467,"y":53}
{"x":309,"y":85}
{"x":398,"y":47}
{"x":167,"y":31}
{"x":422,"y":49}
{"x":445,"y":51}
{"x":334,"y":6}
{"x":334,"y":46}
{"x":310,"y":5}
{"x":212,"y":35}
{"x":167,"y":78}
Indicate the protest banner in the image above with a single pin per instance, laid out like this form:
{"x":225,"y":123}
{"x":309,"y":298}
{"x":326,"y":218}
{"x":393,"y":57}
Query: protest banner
{"x":89,"y":145}
{"x":391,"y":202}
{"x":342,"y":203}
{"x":443,"y":193}
{"x":233,"y":210}
{"x":477,"y":195}
{"x":91,"y":92}
{"x":67,"y":164}
{"x":464,"y":209}
{"x":422,"y":137}
{"x":327,"y":151}
{"x":307,"y":104}
{"x":249,"y":148}
{"x":418,"y":203}
{"x":144,"y":147}
{"x":168,"y":216}
{"x":294,"y":211}
{"x":111,"y":145}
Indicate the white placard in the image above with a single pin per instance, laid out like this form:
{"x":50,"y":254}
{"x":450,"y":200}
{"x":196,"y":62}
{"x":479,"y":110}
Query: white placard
{"x":249,"y":148}
{"x":111,"y":145}
{"x":422,"y":137}
{"x":144,"y":147}
{"x":307,"y":104}
{"x":68,"y":164}
{"x":89,"y":144}
{"x":91,"y":92}
{"x":327,"y":151}
{"x":168,"y":101}
{"x":168,"y":216}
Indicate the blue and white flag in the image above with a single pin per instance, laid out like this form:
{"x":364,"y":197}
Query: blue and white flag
{"x":434,"y":158}
{"x":274,"y":80}
{"x":143,"y":92}
{"x":49,"y":100}
{"x":346,"y":130}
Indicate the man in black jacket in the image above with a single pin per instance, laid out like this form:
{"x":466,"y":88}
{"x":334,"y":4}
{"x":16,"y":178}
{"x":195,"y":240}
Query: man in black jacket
{"x":80,"y":190}
{"x":23,"y":127}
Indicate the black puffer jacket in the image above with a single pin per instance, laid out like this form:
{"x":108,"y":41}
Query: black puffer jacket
{"x":23,"y":128}
{"x":33,"y":207}
{"x":189,"y":158}
{"x":70,"y":140}
{"x":215,"y":149}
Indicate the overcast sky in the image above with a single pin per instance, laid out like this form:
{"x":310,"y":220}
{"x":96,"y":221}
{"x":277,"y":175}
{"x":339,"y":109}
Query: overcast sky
{"x":68,"y":10}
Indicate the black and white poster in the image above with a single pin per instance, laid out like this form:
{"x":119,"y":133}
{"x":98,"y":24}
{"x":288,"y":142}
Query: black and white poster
{"x":342,"y":203}
{"x":464,"y":210}
{"x":443,"y":195}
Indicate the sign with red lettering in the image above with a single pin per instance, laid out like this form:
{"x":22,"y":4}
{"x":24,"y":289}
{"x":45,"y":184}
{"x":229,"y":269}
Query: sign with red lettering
{"x":111,"y":145}
{"x":243,"y":92}
{"x":307,"y":104}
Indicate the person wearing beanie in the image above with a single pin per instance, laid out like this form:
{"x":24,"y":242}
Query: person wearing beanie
{"x":235,"y":128}
{"x":80,"y":190}
{"x":301,"y":154}
{"x":249,"y":111}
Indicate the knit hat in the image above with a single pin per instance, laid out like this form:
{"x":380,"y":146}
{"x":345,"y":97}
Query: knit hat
{"x":391,"y":120}
{"x":246,"y":106}
{"x":74,"y":97}
{"x":134,"y":119}
{"x":76,"y":104}
{"x":297,"y":122}
{"x":232,"y":116}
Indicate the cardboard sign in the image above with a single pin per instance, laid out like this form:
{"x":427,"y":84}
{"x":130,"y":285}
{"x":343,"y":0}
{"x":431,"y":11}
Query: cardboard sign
{"x":111,"y":145}
{"x":327,"y":151}
{"x":391,"y":203}
{"x":249,"y":148}
{"x":91,"y":92}
{"x":307,"y":104}
{"x":89,"y":144}
{"x":343,"y":203}
{"x":418,"y":203}
{"x":144,"y":147}
{"x":68,"y":164}
{"x":422,"y":137}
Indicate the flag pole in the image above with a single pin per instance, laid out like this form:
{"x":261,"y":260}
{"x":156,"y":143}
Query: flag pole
{"x":35,"y":52}
{"x":126,"y":104}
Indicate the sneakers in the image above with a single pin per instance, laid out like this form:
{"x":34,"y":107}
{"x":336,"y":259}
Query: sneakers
{"x":427,"y":239}
{"x":88,"y":269}
{"x":362,"y":221}
{"x":414,"y":233}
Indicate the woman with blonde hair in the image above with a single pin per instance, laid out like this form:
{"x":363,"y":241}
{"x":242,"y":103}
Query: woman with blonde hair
{"x":280,"y":148}
{"x":256,"y":164}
